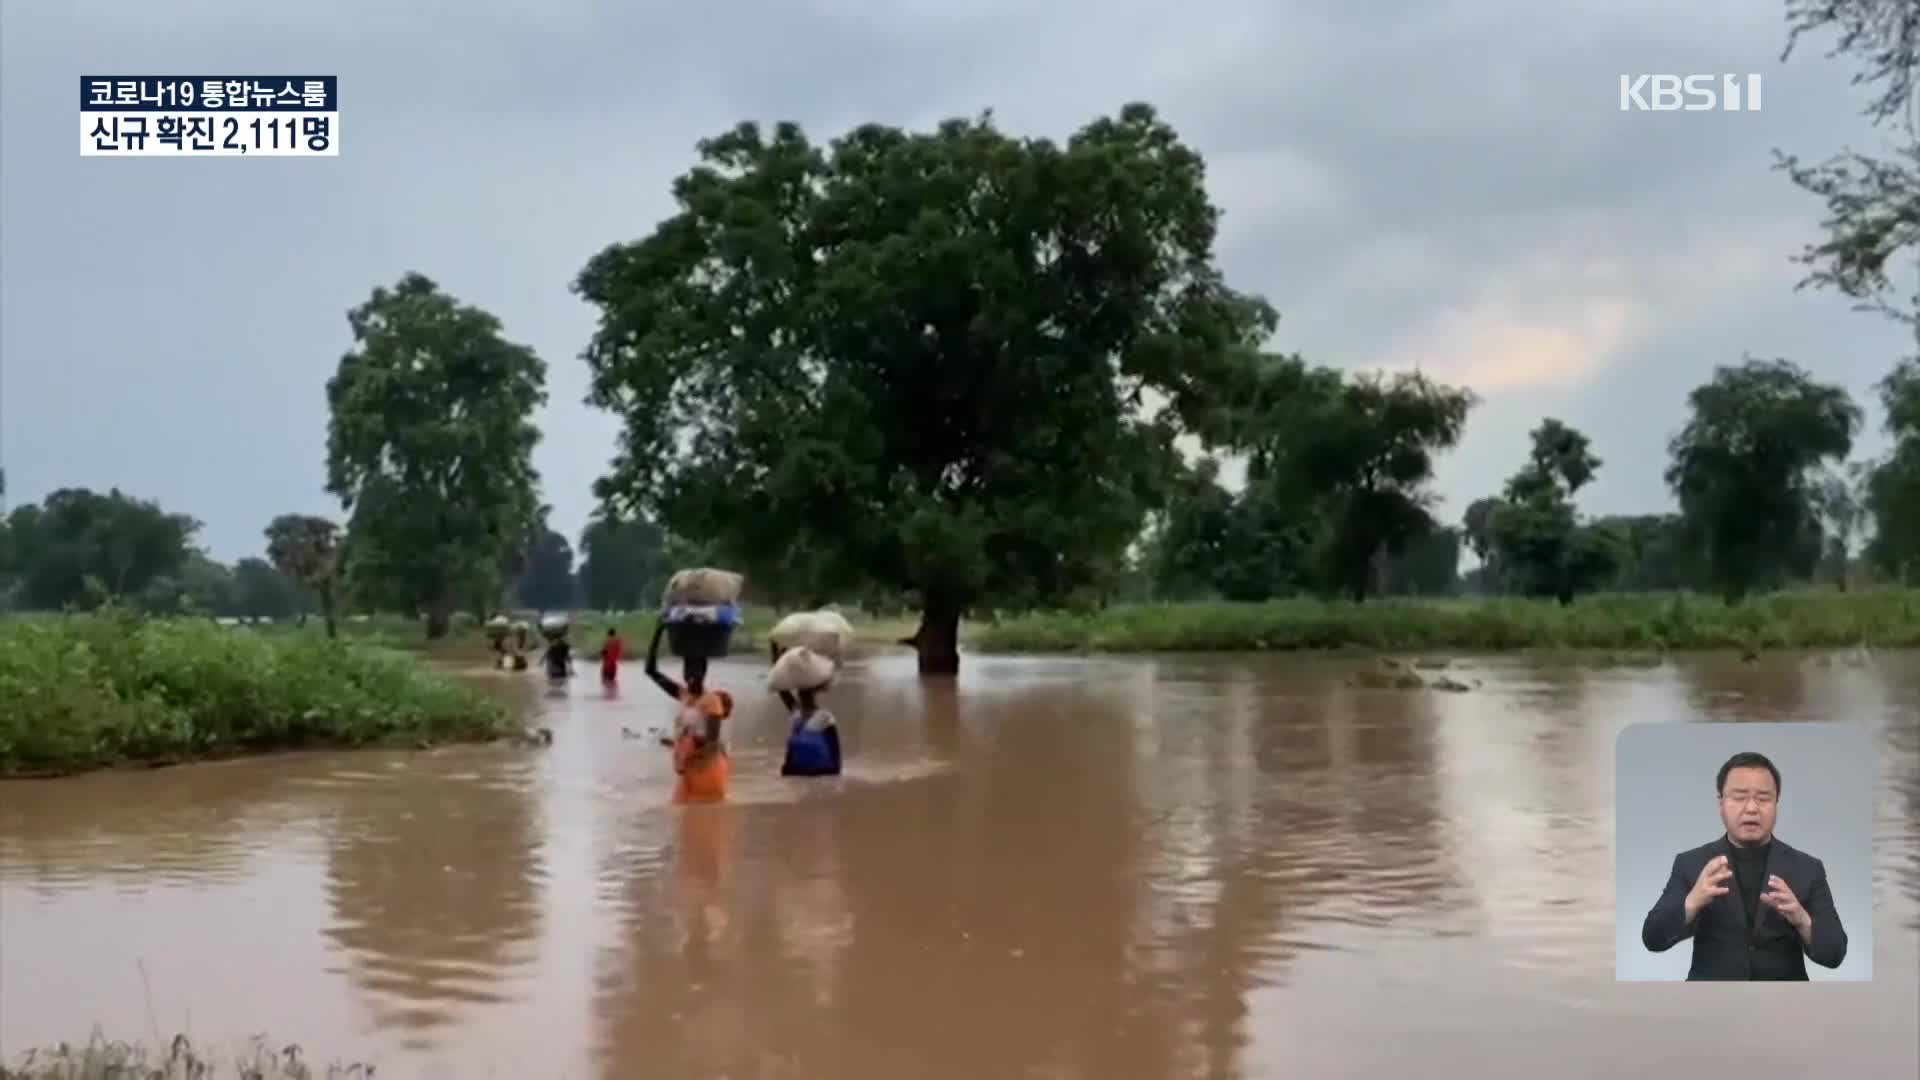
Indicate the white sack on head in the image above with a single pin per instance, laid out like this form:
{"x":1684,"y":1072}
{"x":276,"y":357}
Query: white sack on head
{"x":704,"y":587}
{"x":800,"y":669}
{"x":825,"y":632}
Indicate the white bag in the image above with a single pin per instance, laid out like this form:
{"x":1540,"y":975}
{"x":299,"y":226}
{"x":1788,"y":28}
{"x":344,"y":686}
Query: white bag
{"x":825,"y":632}
{"x":705,"y":587}
{"x":800,"y":669}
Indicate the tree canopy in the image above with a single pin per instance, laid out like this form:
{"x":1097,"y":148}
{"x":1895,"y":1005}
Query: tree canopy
{"x":919,"y":358}
{"x":1745,"y":465}
{"x":79,"y":548}
{"x":308,"y":550}
{"x":430,"y":448}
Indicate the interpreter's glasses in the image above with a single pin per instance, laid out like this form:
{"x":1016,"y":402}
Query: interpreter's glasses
{"x":1741,"y":800}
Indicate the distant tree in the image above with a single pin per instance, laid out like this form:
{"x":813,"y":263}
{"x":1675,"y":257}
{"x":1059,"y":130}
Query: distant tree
{"x":201,"y":586}
{"x":1367,"y":452}
{"x":919,"y":357}
{"x":622,"y":564}
{"x":309,"y":551}
{"x":547,"y":584}
{"x":430,"y":447}
{"x":1654,"y":553}
{"x":80,"y":548}
{"x":1188,"y":547}
{"x":260,"y":591}
{"x":1534,"y":533}
{"x":1476,"y":527}
{"x":1743,"y":470}
{"x":1430,"y":565}
{"x":1839,"y":507}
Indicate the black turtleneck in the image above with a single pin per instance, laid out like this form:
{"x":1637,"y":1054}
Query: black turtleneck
{"x":1750,"y":870}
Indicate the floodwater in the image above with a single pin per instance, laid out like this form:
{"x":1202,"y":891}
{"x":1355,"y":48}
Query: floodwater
{"x":1107,"y":868}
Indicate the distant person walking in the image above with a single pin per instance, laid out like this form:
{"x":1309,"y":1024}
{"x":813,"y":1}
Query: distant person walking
{"x":559,"y":658}
{"x":610,"y":656}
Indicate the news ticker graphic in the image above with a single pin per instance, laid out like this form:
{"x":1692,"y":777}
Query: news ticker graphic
{"x":224,"y":116}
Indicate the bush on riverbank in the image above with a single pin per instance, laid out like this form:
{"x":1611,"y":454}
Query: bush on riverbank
{"x":84,"y":691}
{"x":100,"y":1059}
{"x":1883,"y":618}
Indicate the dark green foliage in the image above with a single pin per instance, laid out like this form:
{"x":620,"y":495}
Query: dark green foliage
{"x":915,"y":359}
{"x":430,"y":448}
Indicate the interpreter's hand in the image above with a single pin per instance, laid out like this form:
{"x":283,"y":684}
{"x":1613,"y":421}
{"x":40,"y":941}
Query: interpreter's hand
{"x":1781,"y":899}
{"x":1710,"y":885}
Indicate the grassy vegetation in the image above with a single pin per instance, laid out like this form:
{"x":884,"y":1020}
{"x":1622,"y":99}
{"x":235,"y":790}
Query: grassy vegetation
{"x":1881,"y":618}
{"x":86,"y":691}
{"x":100,"y":1059}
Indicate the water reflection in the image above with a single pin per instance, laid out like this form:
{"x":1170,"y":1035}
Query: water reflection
{"x":433,"y":877}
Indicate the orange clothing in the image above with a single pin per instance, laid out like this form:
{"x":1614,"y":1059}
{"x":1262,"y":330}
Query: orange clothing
{"x":703,"y":771}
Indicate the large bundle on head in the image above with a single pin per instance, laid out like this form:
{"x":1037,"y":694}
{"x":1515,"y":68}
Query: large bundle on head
{"x":701,"y":610}
{"x":825,"y":632}
{"x":554,"y":626}
{"x":704,"y":587}
{"x":497,"y":628}
{"x":800,"y":668}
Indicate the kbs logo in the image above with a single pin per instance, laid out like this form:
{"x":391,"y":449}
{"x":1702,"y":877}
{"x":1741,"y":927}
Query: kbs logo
{"x":1689,"y":93}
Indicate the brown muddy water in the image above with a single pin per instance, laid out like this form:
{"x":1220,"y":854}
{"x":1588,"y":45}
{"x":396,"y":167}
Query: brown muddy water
{"x":1167,"y":867}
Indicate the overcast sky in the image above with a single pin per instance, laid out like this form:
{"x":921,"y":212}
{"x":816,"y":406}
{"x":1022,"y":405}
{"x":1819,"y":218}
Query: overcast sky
{"x":1448,"y":183}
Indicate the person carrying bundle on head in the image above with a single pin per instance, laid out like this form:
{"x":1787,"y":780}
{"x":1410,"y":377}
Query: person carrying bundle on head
{"x":699,"y":757}
{"x":806,"y":651}
{"x":559,"y":654}
{"x":813,"y":738}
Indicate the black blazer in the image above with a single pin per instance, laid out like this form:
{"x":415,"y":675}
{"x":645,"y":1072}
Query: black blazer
{"x":1724,"y":946}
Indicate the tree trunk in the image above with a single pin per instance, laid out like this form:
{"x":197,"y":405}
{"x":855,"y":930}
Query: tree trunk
{"x":938,"y":639}
{"x":439,"y":616}
{"x":326,"y":612}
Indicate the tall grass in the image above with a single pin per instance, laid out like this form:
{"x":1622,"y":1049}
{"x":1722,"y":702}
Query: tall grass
{"x":1885,"y":618}
{"x":100,"y":1059}
{"x":85,"y":691}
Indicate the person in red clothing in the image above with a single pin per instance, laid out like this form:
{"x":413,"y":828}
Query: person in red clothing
{"x":610,"y":657}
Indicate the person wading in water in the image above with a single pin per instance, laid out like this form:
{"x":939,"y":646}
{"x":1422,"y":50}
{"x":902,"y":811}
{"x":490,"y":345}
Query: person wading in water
{"x":610,"y":657}
{"x":699,"y":757}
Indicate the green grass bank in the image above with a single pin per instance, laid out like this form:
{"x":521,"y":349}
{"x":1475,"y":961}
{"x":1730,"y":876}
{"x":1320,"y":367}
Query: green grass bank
{"x":80,"y":692}
{"x":1879,"y":618}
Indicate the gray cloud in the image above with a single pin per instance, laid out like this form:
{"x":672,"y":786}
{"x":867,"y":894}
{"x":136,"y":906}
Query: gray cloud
{"x":1448,"y":184}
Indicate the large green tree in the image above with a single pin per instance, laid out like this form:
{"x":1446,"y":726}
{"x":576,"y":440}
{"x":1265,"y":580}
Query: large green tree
{"x":308,"y":550}
{"x":1357,"y":454}
{"x":921,"y":358}
{"x":430,"y":447}
{"x":80,"y":548}
{"x":1745,"y":465}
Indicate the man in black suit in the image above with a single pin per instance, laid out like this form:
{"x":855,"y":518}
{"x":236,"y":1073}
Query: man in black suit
{"x":1755,"y":908}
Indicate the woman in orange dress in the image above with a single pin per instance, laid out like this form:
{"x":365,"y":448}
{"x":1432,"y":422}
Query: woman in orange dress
{"x":699,"y":757}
